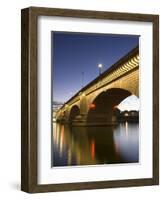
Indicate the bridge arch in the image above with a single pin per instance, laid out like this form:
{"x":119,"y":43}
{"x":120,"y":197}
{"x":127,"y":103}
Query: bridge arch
{"x":75,"y":110}
{"x":102,"y":107}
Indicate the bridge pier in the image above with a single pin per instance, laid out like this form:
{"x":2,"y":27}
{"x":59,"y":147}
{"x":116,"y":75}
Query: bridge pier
{"x":82,"y":120}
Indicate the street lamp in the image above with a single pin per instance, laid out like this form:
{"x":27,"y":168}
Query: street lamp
{"x":82,"y":79}
{"x":100,"y":68}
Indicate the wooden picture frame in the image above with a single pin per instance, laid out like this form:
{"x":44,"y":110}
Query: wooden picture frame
{"x":29,"y":134}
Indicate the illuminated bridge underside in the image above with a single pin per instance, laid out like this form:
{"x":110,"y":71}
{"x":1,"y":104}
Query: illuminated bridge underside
{"x":94,"y":104}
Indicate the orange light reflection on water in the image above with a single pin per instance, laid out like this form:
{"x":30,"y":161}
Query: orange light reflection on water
{"x":61,"y":140}
{"x":93,"y":149}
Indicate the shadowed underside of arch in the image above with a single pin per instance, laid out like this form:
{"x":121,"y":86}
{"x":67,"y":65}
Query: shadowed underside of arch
{"x":73,"y":113}
{"x":101,"y":109}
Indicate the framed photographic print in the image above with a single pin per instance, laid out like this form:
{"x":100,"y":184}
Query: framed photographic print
{"x":90,"y":99}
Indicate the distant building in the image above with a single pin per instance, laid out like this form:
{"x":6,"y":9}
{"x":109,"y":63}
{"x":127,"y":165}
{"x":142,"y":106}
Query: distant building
{"x":56,"y":106}
{"x":122,"y":116}
{"x":134,"y":113}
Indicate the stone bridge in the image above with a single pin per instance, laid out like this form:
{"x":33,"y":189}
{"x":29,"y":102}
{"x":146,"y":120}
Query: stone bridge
{"x":94,"y":104}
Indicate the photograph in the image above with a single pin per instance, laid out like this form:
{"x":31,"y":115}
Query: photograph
{"x":95,"y":99}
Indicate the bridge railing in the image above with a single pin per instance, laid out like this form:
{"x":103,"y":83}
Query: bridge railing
{"x":117,"y":73}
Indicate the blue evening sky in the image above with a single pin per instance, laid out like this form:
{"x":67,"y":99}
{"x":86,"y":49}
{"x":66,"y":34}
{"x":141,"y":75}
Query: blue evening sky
{"x":74,"y":53}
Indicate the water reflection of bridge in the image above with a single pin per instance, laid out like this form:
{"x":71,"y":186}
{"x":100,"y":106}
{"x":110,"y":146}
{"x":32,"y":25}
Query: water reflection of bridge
{"x":94,"y":104}
{"x":76,"y":144}
{"x":85,"y":146}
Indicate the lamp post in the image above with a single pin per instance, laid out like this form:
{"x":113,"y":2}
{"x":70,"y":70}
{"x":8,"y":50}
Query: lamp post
{"x":100,"y":68}
{"x":82,"y":80}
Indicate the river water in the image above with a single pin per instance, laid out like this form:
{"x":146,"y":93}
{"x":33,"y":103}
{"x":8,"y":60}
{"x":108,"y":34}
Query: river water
{"x":95,"y":145}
